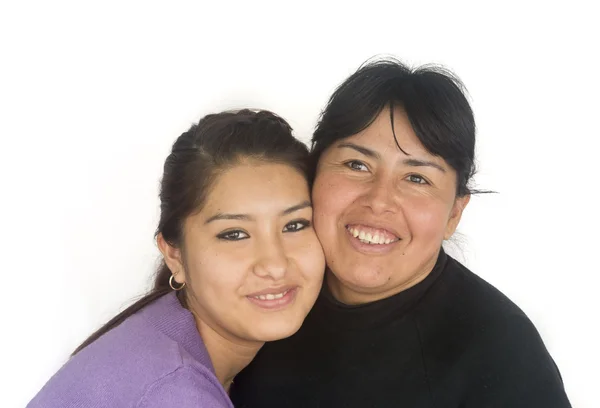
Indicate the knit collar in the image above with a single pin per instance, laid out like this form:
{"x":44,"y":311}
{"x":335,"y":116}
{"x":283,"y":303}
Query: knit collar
{"x":337,"y":315}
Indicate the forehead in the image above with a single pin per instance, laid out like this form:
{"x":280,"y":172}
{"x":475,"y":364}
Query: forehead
{"x":379,"y":135}
{"x":256,"y":187}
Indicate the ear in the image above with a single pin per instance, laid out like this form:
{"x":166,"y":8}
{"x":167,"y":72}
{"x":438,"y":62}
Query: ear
{"x":172,"y":257}
{"x":455,"y":214}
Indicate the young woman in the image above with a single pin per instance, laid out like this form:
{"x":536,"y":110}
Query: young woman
{"x":242,"y":266}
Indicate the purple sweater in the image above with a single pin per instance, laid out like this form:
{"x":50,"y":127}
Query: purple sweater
{"x":155,"y":358}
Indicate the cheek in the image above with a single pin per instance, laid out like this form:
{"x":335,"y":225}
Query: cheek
{"x":314,"y":267}
{"x":309,"y":258}
{"x":215,"y":273}
{"x":427,"y":219}
{"x":332,"y":196}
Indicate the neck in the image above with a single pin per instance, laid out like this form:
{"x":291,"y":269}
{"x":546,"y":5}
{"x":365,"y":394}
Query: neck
{"x":228,"y":356}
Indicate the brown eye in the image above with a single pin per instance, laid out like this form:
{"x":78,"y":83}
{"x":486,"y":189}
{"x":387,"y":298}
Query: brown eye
{"x":297,"y":225}
{"x":235,"y":235}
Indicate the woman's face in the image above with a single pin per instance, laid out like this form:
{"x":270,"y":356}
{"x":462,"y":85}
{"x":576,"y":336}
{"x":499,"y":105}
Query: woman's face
{"x":253,"y":266}
{"x":380,"y":214}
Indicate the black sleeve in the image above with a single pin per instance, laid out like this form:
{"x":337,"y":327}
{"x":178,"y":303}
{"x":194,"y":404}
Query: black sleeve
{"x":509,"y":367}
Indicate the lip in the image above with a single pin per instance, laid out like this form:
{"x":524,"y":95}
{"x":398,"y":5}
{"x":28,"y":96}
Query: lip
{"x":275,"y":304}
{"x":372,"y":249}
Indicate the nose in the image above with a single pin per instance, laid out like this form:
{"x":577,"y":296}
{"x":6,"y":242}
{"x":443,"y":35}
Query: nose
{"x":380,"y":195}
{"x":272,"y":261}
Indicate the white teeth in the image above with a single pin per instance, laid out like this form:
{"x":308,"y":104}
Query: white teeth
{"x":271,"y":296}
{"x":368,"y":238}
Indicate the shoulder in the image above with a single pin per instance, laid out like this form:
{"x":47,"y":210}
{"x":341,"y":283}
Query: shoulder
{"x":495,"y":347}
{"x":466,"y":294}
{"x":473,"y":310}
{"x":187,"y":386}
{"x":134,"y":347}
{"x":508,"y":340}
{"x":509,"y":363}
{"x":115,"y":369}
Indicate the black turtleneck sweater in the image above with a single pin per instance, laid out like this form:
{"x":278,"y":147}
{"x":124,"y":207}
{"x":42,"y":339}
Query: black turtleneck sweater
{"x":451,"y":341}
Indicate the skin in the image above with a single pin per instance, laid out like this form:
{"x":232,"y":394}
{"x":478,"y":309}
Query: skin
{"x":253,"y":235}
{"x":366,"y":183}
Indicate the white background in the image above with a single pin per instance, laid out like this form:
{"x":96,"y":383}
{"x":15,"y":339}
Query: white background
{"x":92,"y":94}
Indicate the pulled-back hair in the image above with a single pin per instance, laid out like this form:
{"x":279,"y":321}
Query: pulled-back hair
{"x":217,"y":142}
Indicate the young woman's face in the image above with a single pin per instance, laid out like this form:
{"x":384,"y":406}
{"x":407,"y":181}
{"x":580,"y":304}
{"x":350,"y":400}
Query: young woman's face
{"x":380,"y":214}
{"x":253,"y":266}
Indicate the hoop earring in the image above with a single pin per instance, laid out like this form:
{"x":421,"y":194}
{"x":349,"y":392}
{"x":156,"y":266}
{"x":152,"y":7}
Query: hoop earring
{"x":175,"y":288}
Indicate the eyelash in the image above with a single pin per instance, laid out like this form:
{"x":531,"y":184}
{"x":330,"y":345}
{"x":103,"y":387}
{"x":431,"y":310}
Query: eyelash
{"x":234,"y":235}
{"x":228,"y":235}
{"x":350,"y":164}
{"x":423,"y":180}
{"x":303,"y":224}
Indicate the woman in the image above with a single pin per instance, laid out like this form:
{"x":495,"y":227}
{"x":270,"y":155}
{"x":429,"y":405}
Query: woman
{"x":399,"y":322}
{"x":242,"y":265}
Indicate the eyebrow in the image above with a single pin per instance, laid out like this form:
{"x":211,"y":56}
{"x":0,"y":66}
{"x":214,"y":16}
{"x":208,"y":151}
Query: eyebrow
{"x":363,"y":150}
{"x":247,"y":217}
{"x":423,"y":163}
{"x":409,"y":162}
{"x":296,"y":207}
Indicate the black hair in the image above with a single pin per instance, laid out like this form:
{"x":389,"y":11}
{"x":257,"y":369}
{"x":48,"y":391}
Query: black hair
{"x":432,"y":97}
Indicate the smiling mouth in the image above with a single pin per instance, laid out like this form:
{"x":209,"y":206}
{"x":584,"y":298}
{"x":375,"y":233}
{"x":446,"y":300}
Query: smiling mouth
{"x":372,"y":236}
{"x":271,"y":296}
{"x":275,"y":300}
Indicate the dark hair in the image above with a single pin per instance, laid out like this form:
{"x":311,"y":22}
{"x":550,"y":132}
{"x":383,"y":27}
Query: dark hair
{"x":216,"y":143}
{"x":432,"y":97}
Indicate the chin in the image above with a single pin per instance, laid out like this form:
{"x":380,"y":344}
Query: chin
{"x":274,"y":331}
{"x":368,"y":278}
